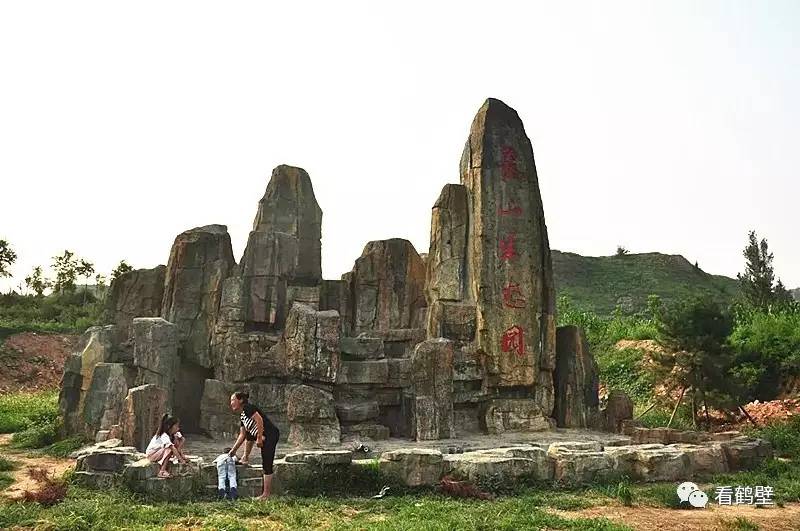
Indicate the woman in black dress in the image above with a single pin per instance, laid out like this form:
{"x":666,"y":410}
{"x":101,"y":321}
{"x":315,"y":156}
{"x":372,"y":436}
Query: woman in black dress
{"x":256,"y":428}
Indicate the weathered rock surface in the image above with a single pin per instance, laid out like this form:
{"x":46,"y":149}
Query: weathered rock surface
{"x":137,"y":293}
{"x":514,"y":414}
{"x":509,"y":255}
{"x":619,"y":408}
{"x":413,"y":466}
{"x":387,"y":288}
{"x":283,"y":248}
{"x":312,"y":344}
{"x":576,"y":380}
{"x":142,"y":410}
{"x":312,"y":417}
{"x":155,"y":353}
{"x":447,"y":258}
{"x":432,"y":390}
{"x":200,"y":260}
{"x":102,"y":404}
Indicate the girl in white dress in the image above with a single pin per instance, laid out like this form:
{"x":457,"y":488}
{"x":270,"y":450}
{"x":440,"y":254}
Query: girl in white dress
{"x":166,"y":444}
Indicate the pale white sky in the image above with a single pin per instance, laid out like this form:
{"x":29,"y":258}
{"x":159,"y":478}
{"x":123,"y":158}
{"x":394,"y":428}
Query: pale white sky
{"x":663,"y":126}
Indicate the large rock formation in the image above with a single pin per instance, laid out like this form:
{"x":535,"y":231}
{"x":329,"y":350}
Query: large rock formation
{"x":461,"y":339}
{"x":510,"y":275}
{"x":137,"y":293}
{"x":283,"y":249}
{"x":200,"y":260}
{"x":386,"y":288}
{"x":576,"y":381}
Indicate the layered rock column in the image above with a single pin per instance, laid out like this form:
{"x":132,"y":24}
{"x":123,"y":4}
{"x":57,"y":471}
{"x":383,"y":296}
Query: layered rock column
{"x":283,"y":249}
{"x":510,"y":273}
{"x":576,"y":381}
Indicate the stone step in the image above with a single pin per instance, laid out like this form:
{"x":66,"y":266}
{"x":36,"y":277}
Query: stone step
{"x":356,"y":410}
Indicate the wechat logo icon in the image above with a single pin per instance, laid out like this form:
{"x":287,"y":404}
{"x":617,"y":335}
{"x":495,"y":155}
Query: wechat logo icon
{"x":689,"y":492}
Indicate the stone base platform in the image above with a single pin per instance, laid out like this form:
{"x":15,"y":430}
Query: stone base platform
{"x":559,"y":457}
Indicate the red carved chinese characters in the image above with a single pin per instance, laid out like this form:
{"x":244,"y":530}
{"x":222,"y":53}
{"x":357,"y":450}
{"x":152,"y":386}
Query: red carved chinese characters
{"x":507,"y":251}
{"x":512,"y":296}
{"x":513,"y":340}
{"x":508,"y":164}
{"x":512,"y":210}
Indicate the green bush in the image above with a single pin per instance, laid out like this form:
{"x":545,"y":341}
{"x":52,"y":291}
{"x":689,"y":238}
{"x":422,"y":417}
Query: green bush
{"x":58,"y":313}
{"x":622,"y":369}
{"x":784,"y":436}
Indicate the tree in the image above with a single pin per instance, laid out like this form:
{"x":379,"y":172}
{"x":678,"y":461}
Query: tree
{"x":36,"y":281}
{"x":85,"y":269}
{"x":695,"y":358}
{"x":621,"y":251}
{"x":121,"y":269}
{"x":7,"y":257}
{"x":66,"y":268}
{"x":757,"y":280}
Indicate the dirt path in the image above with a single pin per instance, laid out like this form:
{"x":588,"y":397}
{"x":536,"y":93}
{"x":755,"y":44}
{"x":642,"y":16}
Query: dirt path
{"x":22,"y":482}
{"x":713,"y":518}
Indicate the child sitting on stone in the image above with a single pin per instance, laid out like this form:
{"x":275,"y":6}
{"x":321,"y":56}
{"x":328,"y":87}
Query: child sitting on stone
{"x":167,"y":443}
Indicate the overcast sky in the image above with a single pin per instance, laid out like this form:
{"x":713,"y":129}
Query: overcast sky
{"x":661,"y":126}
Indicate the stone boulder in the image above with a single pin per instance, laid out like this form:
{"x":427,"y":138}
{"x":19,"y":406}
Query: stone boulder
{"x":312,"y":417}
{"x":283,"y":249}
{"x":413,"y":466}
{"x":199,"y":262}
{"x":576,"y":380}
{"x":69,"y":396}
{"x":432,"y":390}
{"x":514,"y":414}
{"x":619,"y":409}
{"x":447,"y":257}
{"x":137,"y":293}
{"x":311,"y":343}
{"x":102,"y":404}
{"x":746,"y":453}
{"x":386,"y":288}
{"x":142,"y":410}
{"x":155,"y":353}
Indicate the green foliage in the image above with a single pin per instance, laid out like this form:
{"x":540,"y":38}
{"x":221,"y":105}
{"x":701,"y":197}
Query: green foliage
{"x":7,"y":258}
{"x":621,"y":251}
{"x":757,"y":281}
{"x":603,"y":332}
{"x":19,"y":410}
{"x":64,"y":447}
{"x":622,"y":369}
{"x":66,"y":268}
{"x":6,"y":465}
{"x":784,"y":436}
{"x":767,"y":347}
{"x":61,"y":313}
{"x":36,"y":282}
{"x":121,"y":269}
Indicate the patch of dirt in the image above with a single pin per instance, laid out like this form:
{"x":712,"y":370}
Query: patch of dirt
{"x":53,"y":465}
{"x":712,"y":518}
{"x":32,"y":361}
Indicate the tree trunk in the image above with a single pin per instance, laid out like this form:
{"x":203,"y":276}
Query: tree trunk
{"x":643,"y":413}
{"x":694,"y":407}
{"x":675,"y":410}
{"x":746,"y":414}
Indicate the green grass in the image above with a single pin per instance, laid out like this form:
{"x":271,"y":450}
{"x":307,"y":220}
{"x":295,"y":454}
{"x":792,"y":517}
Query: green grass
{"x":741,"y":524}
{"x":784,"y":436}
{"x":117,"y":510}
{"x":19,"y":410}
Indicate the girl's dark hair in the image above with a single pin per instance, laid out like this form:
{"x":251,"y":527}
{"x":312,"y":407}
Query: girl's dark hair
{"x":241,"y":395}
{"x":167,"y":422}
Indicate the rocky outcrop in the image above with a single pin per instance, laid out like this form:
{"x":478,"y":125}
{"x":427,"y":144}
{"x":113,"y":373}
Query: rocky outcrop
{"x":312,"y":417}
{"x":199,"y":262}
{"x":155,"y":353}
{"x":386,"y":288}
{"x":510,"y":275}
{"x":137,"y":293}
{"x":431,"y":399}
{"x":311,"y":343}
{"x":576,"y":381}
{"x":283,"y":248}
{"x":141,"y":412}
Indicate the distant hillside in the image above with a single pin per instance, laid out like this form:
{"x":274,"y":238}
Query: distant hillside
{"x":600,"y":283}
